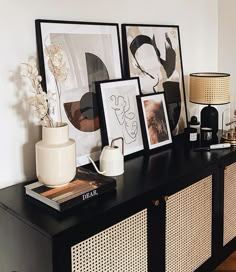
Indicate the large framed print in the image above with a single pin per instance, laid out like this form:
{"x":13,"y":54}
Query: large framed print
{"x":90,"y":53}
{"x":154,"y":116}
{"x":153,"y":53}
{"x":119,"y":113}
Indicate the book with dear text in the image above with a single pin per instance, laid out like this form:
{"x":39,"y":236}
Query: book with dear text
{"x":85,"y":186}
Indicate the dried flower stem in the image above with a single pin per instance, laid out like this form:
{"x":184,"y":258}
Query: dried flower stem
{"x":58,"y":68}
{"x":39,"y":101}
{"x":59,"y":98}
{"x":42,"y":102}
{"x":46,"y":117}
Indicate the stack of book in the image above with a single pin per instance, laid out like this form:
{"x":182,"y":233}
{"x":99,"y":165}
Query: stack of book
{"x":85,"y":186}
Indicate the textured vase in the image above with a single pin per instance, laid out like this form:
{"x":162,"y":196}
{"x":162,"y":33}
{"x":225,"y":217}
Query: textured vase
{"x":55,"y":156}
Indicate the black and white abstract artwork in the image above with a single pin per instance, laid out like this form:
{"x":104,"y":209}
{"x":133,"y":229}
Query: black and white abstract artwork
{"x":153,"y":53}
{"x":120,"y":113}
{"x":92,"y":53}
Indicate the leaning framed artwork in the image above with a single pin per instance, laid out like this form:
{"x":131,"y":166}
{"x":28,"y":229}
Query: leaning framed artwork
{"x":83,"y":53}
{"x":154,"y":116}
{"x":153,"y":53}
{"x":119,"y":113}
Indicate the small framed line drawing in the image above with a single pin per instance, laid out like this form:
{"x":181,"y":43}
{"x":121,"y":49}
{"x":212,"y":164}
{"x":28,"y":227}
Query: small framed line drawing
{"x":119,"y":113}
{"x":154,"y":117}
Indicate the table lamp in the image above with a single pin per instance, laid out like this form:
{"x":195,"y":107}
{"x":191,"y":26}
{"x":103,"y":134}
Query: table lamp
{"x":209,"y":89}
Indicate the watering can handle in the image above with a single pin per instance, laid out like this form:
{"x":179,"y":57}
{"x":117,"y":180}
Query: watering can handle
{"x":119,"y":138}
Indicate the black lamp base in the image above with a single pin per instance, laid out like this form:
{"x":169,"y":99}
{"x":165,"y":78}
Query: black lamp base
{"x":209,"y":118}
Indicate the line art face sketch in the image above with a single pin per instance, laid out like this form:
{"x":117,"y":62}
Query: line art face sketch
{"x":125,"y":117}
{"x":120,"y":113}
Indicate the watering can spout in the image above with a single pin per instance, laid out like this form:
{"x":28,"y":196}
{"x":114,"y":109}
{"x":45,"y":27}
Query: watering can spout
{"x":95,"y":166}
{"x":111,"y":160}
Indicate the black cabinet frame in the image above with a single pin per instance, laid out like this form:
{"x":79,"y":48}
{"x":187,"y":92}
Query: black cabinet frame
{"x":49,"y":235}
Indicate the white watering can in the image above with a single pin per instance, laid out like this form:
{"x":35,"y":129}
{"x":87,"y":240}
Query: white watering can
{"x":111,"y":160}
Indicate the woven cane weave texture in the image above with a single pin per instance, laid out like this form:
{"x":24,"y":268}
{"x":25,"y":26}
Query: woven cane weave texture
{"x":120,"y":248}
{"x":188,"y":227}
{"x":229,"y":203}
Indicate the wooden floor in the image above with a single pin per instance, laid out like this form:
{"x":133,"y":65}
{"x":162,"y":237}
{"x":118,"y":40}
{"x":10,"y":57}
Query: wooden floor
{"x":228,"y":265}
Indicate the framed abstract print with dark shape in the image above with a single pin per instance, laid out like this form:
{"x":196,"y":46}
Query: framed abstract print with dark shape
{"x":153,"y":53}
{"x":154,"y":116}
{"x":119,"y":113}
{"x":91,"y":52}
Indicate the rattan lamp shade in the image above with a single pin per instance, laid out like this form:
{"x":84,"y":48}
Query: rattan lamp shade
{"x":209,"y":88}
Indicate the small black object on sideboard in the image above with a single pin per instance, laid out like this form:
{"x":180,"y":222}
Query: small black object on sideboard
{"x":172,"y":211}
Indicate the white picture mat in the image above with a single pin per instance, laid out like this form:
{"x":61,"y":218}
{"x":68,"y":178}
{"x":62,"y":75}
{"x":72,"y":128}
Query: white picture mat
{"x":76,"y":40}
{"x":150,"y":60}
{"x":157,"y":99}
{"x":114,"y":94}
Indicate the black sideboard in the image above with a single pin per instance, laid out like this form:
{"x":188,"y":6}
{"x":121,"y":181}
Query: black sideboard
{"x":173,"y":210}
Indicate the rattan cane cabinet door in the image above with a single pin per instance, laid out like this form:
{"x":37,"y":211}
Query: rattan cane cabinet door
{"x":120,"y":248}
{"x":188,"y":227}
{"x":229,"y":231}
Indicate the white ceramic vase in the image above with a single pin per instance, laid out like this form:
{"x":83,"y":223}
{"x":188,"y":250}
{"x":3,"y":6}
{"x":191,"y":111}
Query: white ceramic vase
{"x":55,"y":156}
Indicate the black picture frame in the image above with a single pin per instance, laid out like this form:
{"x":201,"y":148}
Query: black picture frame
{"x":92,"y":52}
{"x":119,"y":114}
{"x":153,"y":52}
{"x":155,"y":122}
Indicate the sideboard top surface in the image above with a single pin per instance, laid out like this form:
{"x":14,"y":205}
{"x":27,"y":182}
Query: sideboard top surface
{"x":145,"y":176}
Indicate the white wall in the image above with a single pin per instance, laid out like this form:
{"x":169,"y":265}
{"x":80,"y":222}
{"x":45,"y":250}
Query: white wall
{"x":227,"y":44}
{"x":199,"y":34}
